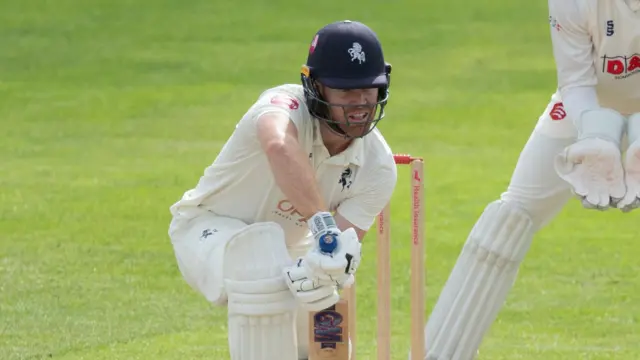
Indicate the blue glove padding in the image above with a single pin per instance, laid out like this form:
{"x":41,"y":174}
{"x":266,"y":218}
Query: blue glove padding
{"x":325,"y":231}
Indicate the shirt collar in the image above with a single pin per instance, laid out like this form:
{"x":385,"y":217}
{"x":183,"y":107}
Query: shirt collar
{"x":354,"y":154}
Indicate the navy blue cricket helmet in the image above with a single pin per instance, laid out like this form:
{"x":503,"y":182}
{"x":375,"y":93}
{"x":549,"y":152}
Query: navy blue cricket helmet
{"x":346,"y":55}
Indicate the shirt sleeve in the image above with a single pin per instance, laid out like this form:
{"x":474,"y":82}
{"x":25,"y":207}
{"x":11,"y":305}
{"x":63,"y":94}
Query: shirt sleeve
{"x":273,"y":101}
{"x":573,"y":53}
{"x":362,"y":208}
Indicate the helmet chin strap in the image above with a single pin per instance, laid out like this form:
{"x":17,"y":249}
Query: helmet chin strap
{"x":336,"y":128}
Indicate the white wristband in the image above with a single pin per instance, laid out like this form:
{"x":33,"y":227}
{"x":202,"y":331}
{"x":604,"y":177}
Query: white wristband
{"x":606,"y":124}
{"x":633,"y":130}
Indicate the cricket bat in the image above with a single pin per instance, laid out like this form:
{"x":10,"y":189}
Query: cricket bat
{"x":329,"y":333}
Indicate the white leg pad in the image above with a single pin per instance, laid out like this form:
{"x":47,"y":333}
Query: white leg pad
{"x":262,"y":310}
{"x":302,"y":329}
{"x":479,"y":283}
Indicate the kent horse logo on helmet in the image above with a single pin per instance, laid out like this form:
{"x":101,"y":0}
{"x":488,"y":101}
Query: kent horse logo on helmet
{"x":346,"y":55}
{"x":357,"y":53}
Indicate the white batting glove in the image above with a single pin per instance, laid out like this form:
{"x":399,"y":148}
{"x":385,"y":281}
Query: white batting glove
{"x":593,"y":168}
{"x":632,"y":178}
{"x":338,"y":267}
{"x":325,"y":231}
{"x":309,"y":292}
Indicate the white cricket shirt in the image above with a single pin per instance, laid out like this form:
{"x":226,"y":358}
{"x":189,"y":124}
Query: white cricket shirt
{"x":357,"y":183}
{"x":596,"y":43}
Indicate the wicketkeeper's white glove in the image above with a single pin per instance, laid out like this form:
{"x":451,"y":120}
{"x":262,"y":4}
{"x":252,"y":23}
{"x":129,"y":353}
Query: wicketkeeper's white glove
{"x":632,"y":166}
{"x":593,"y":165}
{"x":632,"y":178}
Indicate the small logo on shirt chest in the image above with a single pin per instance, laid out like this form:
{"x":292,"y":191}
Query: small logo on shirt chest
{"x":345,"y":179}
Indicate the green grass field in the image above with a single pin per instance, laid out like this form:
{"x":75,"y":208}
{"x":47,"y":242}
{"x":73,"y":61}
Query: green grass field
{"x":111,"y":109}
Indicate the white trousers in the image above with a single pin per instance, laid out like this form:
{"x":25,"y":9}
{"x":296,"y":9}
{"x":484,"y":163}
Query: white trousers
{"x":534,"y":184}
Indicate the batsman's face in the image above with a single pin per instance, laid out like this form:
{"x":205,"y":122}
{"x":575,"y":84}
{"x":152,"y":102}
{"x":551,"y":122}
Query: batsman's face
{"x":352,"y":109}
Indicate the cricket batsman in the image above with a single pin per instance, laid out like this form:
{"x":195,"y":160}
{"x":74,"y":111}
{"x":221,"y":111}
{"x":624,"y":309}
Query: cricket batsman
{"x":273,"y":228}
{"x":578,"y":148}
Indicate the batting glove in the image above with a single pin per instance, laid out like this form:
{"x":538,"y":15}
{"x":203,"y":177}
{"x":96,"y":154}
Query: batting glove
{"x":310,"y":293}
{"x":325,"y":231}
{"x":338,"y":267}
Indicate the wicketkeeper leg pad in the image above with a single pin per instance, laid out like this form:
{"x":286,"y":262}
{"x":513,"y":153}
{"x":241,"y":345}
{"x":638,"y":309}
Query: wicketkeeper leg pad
{"x":479,"y":283}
